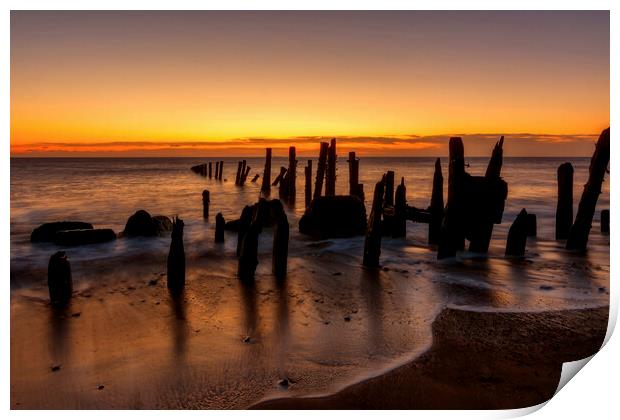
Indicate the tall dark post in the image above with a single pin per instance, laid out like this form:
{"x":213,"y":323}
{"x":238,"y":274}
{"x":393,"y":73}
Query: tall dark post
{"x":452,"y":238}
{"x":579,"y":232}
{"x":239,"y":171}
{"x":532,"y":228}
{"x":266,"y":186}
{"x":517,"y":236}
{"x":605,"y":221}
{"x":320,"y":170}
{"x":280,"y":177}
{"x":354,"y":178}
{"x":308,"y":186}
{"x":288,"y":188}
{"x":217,"y":170}
{"x":244,"y":225}
{"x":205,"y":204}
{"x":219,"y":228}
{"x":389,"y":188}
{"x":59,"y":281}
{"x":245,"y":174}
{"x":210,"y":169}
{"x":176,"y":258}
{"x":436,"y":208}
{"x":248,"y":257}
{"x":280,"y":240}
{"x":564,"y":209}
{"x":221,"y":169}
{"x":400,"y":209}
{"x":372,"y":243}
{"x":330,"y":183}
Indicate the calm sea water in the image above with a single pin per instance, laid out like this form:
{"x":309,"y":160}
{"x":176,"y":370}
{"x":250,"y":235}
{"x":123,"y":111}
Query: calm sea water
{"x":106,"y":192}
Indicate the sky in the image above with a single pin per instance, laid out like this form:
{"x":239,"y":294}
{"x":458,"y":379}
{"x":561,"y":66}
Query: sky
{"x":107,"y":83}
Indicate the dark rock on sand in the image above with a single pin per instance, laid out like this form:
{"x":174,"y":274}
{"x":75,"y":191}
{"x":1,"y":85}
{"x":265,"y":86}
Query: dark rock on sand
{"x":83,"y":236}
{"x":47,"y":231}
{"x":339,"y":216}
{"x":142,"y":224}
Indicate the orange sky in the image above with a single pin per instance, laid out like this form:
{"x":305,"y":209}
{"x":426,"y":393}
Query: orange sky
{"x":180,"y":83}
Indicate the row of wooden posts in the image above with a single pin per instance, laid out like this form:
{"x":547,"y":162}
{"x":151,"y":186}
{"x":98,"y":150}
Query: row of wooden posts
{"x":206,"y":169}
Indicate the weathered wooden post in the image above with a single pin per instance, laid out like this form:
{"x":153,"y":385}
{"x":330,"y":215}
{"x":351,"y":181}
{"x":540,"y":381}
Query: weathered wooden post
{"x":280,"y":240}
{"x":387,"y":228}
{"x":372,"y":243}
{"x":266,"y":186}
{"x":330,"y":183}
{"x":579,"y":232}
{"x":244,"y":224}
{"x":280,"y":177}
{"x":452,"y":238}
{"x":245,"y":171}
{"x":564,"y":209}
{"x":219,"y":228}
{"x":288,"y":189}
{"x":320,"y":170}
{"x":217,"y":170}
{"x":210,"y":170}
{"x":605,"y":221}
{"x":517,"y":236}
{"x":308,"y":186}
{"x":531,"y":225}
{"x":248,"y":257}
{"x":389,"y":189}
{"x":238,"y":176}
{"x":255,"y":178}
{"x":400,"y":209}
{"x":205,"y":204}
{"x":221,"y":169}
{"x":176,"y":258}
{"x":59,"y":281}
{"x":436,"y":207}
{"x":354,"y":179}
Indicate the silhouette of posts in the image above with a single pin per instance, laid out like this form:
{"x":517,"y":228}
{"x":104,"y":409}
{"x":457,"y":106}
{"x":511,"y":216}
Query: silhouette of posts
{"x":320,"y":170}
{"x":564,"y":209}
{"x":244,"y":224}
{"x":605,"y":221}
{"x":59,"y":281}
{"x":330,"y":182}
{"x":219,"y":228}
{"x":205,"y":204}
{"x":517,"y":236}
{"x":176,"y":258}
{"x":266,"y":185}
{"x":400,"y":211}
{"x":210,"y":170}
{"x":308,"y":186}
{"x":221,"y":170}
{"x":288,"y":189}
{"x":255,"y":178}
{"x":217,"y":170}
{"x":436,"y":208}
{"x":355,"y":188}
{"x":531,"y":225}
{"x":280,"y":176}
{"x":579,"y":232}
{"x":238,"y":176}
{"x":279,"y":257}
{"x":372,"y":242}
{"x":452,"y":235}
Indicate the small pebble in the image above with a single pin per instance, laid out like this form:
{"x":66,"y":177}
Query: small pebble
{"x":76,"y":314}
{"x":55,"y":368}
{"x":347,"y":318}
{"x":246,"y":339}
{"x":153,"y":282}
{"x":100,"y":387}
{"x":283,"y":383}
{"x":337,"y":273}
{"x":546,"y":287}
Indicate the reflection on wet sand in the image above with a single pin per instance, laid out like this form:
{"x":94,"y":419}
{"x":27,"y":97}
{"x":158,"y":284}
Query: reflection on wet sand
{"x":371,"y":291}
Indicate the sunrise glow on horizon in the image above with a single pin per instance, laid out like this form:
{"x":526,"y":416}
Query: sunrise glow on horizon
{"x":179,"y":83}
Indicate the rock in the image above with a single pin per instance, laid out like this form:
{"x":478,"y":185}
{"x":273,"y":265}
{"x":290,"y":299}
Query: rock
{"x":100,"y":387}
{"x":47,"y":231}
{"x":347,"y":318}
{"x":84,"y":236}
{"x":339,"y":216}
{"x":142,"y":224}
{"x":56,"y":368}
{"x":283,"y":383}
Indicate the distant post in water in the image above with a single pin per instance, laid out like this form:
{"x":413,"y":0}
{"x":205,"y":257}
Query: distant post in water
{"x":436,"y":208}
{"x":372,"y":243}
{"x":176,"y":258}
{"x":355,"y":188}
{"x":579,"y":232}
{"x":221,"y":169}
{"x":217,"y":170}
{"x":605,"y":221}
{"x":517,"y":236}
{"x":210,"y":169}
{"x":320,"y":170}
{"x":564,"y":209}
{"x":219,"y":228}
{"x":330,"y":183}
{"x":238,"y":176}
{"x":266,"y":185}
{"x":280,"y":240}
{"x":452,"y":237}
{"x":400,"y":209}
{"x":308,"y":186}
{"x":205,"y":204}
{"x":59,"y":281}
{"x":288,"y":188}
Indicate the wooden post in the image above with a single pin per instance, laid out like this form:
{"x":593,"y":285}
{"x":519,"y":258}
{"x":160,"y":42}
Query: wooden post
{"x":436,"y":207}
{"x":266,"y":186}
{"x":372,"y":243}
{"x":219,"y":228}
{"x":531,"y":225}
{"x":59,"y":281}
{"x":308,"y":186}
{"x":280,"y":177}
{"x":288,"y":189}
{"x":221,"y":169}
{"x":255,"y":178}
{"x":205,"y":204}
{"x":452,"y":238}
{"x":217,"y":170}
{"x":238,"y":176}
{"x":248,"y":256}
{"x":605,"y":221}
{"x":320,"y":170}
{"x":210,"y":170}
{"x":245,"y":171}
{"x":400,"y":209}
{"x":280,"y":240}
{"x":330,"y":183}
{"x":517,"y":236}
{"x":579,"y":232}
{"x":176,"y":258}
{"x":389,"y":189}
{"x":564,"y":209}
{"x":354,"y":166}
